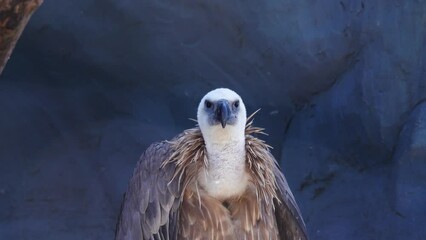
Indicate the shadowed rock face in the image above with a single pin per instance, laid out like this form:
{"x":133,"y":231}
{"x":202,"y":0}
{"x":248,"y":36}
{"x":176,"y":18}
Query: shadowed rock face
{"x":92,"y":83}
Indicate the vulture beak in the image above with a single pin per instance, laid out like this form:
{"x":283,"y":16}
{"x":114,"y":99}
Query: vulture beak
{"x":223,"y":112}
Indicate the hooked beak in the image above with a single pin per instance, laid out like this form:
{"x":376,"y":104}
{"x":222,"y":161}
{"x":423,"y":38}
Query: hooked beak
{"x":222,"y":112}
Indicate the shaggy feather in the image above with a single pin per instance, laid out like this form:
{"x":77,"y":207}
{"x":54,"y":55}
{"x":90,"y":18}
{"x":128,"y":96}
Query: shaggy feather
{"x":189,"y":156}
{"x":164,"y":199}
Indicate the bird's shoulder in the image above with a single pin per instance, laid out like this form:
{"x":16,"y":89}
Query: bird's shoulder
{"x":152,"y":198}
{"x":153,"y":157}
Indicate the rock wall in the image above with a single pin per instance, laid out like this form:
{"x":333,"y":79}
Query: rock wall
{"x":341,"y":86}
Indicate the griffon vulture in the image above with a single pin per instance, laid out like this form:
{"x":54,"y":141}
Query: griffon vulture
{"x":214,"y":181}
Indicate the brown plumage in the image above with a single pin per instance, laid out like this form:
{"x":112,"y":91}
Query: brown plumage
{"x":165,"y":201}
{"x":214,"y":181}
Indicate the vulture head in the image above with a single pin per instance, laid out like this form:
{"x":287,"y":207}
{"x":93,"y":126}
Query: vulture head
{"x":222,"y":116}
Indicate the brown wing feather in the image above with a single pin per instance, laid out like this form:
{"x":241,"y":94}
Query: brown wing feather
{"x":204,"y":217}
{"x":244,"y":218}
{"x":253,"y":219}
{"x":149,"y":209}
{"x":289,"y":219}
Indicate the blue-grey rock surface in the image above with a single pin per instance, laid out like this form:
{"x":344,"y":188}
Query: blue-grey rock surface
{"x":341,"y":85}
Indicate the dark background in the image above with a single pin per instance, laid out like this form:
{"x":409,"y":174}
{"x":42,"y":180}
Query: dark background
{"x":341,"y":85}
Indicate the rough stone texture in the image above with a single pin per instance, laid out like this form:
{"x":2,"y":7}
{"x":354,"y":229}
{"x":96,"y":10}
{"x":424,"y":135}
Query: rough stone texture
{"x":409,"y":174}
{"x":93,"y":82}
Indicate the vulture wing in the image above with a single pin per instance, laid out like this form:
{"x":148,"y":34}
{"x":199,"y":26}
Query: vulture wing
{"x":149,"y":208}
{"x":289,"y":220}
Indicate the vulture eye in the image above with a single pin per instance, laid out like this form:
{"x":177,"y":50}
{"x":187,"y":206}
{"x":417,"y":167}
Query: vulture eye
{"x":237,"y":104}
{"x":208,"y":104}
